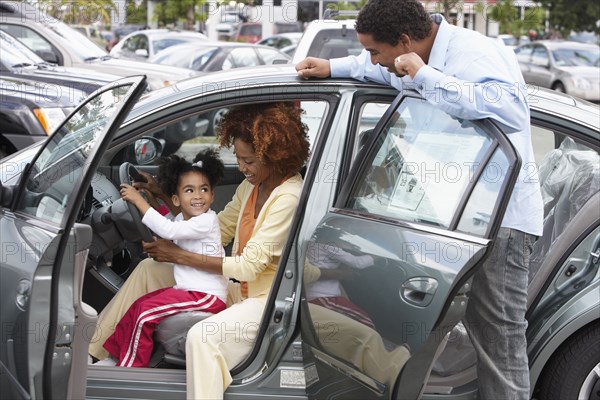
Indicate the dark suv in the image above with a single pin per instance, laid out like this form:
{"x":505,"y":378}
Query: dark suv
{"x":31,"y":110}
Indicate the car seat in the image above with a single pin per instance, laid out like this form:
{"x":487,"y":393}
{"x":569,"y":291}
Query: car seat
{"x":569,"y":176}
{"x":171,"y":333}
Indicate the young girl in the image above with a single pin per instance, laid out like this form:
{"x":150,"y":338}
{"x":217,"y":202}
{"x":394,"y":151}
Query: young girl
{"x":196,"y":229}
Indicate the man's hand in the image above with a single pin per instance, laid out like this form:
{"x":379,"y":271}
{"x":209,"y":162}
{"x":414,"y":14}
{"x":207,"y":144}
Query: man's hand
{"x":312,"y":67}
{"x":408,"y":64}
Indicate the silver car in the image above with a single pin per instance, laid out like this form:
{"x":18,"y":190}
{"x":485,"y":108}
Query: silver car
{"x":58,"y":43}
{"x":144,"y":44}
{"x":566,"y":66}
{"x":391,"y":179}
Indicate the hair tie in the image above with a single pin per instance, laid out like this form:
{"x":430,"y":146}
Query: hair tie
{"x":197,"y":164}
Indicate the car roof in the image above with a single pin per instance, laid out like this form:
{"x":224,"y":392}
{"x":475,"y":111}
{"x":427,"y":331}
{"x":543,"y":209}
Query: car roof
{"x":547,"y":101}
{"x":162,"y":33}
{"x":560,"y":44}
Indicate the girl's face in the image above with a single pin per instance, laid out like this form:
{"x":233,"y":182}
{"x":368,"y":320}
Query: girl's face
{"x":249,"y":164}
{"x":194,"y":194}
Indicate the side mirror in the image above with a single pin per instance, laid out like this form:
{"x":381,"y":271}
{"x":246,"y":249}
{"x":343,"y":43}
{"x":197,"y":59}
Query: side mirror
{"x":6,"y":195}
{"x":141,"y":53}
{"x":147,"y":150}
{"x":47,"y":56}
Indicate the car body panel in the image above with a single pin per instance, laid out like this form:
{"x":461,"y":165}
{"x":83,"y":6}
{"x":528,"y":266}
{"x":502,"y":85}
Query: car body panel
{"x":289,"y":361}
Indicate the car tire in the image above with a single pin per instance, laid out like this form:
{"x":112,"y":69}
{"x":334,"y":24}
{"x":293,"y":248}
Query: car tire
{"x":573,"y":372}
{"x":559,"y":87}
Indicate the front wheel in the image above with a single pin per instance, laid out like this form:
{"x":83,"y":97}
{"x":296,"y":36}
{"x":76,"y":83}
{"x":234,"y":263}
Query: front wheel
{"x":573,"y":372}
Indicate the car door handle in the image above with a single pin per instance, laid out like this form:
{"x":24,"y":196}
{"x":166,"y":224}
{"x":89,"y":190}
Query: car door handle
{"x":419,"y":291}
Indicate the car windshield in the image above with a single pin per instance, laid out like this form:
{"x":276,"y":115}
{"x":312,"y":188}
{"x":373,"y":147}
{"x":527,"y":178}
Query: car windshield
{"x":83,"y":47}
{"x":512,"y":41}
{"x":185,"y":59}
{"x":335,"y":43}
{"x":251,"y":30}
{"x":577,"y":57}
{"x":162,"y":44}
{"x":14,"y":53}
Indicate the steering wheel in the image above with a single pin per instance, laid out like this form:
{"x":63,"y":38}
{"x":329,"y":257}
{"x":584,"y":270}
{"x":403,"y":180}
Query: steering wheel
{"x":128,"y":174}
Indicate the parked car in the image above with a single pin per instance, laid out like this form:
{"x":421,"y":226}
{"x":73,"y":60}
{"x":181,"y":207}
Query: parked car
{"x":17,"y":60}
{"x":38,"y":81}
{"x":30,"y":110}
{"x":57,"y":43}
{"x":141,"y":45}
{"x":217,"y":56}
{"x":328,"y":39}
{"x":92,"y":33}
{"x":511,"y":41}
{"x":228,"y":23}
{"x":248,"y":32}
{"x":565,"y":66}
{"x":68,"y":241}
{"x":281,"y":40}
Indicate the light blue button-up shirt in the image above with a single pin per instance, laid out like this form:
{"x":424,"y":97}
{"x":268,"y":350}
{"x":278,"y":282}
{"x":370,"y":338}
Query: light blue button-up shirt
{"x":472,"y":77}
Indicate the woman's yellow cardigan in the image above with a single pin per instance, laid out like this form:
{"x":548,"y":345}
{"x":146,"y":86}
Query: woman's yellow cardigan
{"x":258,"y":262}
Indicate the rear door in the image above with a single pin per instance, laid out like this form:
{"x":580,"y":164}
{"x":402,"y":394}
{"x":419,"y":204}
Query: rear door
{"x":50,"y":329}
{"x":387,"y":270}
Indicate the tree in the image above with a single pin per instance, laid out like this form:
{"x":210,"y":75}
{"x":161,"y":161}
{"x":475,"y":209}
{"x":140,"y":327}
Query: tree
{"x":79,"y":11}
{"x":573,"y":15}
{"x":507,"y":16}
{"x":136,"y":12}
{"x":170,"y":12}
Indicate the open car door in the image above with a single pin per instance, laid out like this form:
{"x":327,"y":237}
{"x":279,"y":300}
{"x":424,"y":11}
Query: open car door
{"x":387,"y":270}
{"x":46,"y":349}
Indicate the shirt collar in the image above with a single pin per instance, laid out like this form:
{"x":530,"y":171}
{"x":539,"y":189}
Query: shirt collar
{"x":440,"y":44}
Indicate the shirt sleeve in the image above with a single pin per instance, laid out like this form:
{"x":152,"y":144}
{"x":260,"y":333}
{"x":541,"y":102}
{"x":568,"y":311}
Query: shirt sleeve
{"x":266,"y":243}
{"x":194,"y":228}
{"x":360,"y":68}
{"x":486,"y":94}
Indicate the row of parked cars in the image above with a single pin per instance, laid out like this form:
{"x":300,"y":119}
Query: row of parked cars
{"x":66,"y":249}
{"x":57,"y":66}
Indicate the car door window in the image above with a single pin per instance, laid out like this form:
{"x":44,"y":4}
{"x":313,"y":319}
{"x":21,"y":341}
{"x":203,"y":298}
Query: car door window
{"x":241,"y":57}
{"x":51,"y":183}
{"x":524,"y":53}
{"x":269,"y":55}
{"x":28,"y":37}
{"x":539,"y":56}
{"x":423,"y":166}
{"x":569,"y":174}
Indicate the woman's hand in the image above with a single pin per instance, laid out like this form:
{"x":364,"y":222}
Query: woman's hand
{"x":162,"y":250}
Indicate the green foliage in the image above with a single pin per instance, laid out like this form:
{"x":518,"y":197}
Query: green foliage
{"x":573,"y":15}
{"x":136,"y":13}
{"x":507,"y":16}
{"x":79,"y":11}
{"x":170,"y":12}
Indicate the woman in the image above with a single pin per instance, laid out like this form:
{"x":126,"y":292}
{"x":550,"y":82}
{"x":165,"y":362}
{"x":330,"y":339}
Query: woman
{"x":271,"y":146}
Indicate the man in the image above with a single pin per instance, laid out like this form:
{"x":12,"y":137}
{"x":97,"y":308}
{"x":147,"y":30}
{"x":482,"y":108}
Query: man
{"x":469,"y":76}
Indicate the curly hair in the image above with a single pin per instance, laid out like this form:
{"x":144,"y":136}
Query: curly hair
{"x":274,"y":130}
{"x":388,"y":20}
{"x":171,"y":168}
